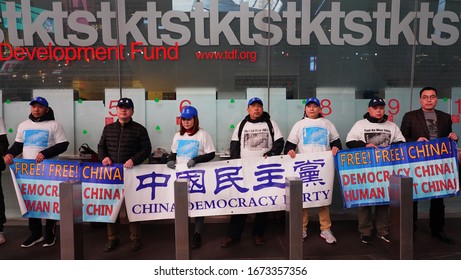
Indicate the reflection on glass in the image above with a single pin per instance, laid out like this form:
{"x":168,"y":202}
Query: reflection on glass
{"x":229,"y":5}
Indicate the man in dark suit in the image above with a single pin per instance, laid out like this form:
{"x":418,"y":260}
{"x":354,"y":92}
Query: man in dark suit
{"x":422,"y":125}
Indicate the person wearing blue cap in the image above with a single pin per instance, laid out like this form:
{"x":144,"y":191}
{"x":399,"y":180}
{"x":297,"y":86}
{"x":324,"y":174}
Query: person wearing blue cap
{"x":257,"y":135}
{"x":374,"y":130}
{"x":191,"y":145}
{"x":40,"y":137}
{"x":127,"y":142}
{"x":314,"y":133}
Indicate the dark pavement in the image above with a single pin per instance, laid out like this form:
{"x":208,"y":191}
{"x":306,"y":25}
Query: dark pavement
{"x":158,"y":243}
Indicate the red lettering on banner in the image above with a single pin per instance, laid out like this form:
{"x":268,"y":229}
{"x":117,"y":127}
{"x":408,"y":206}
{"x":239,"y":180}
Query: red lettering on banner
{"x":40,"y":189}
{"x":364,"y":178}
{"x":433,"y":170}
{"x":101,"y":193}
{"x":99,"y":210}
{"x":364,"y":194}
{"x":415,"y":188}
{"x":38,"y":206}
{"x":439,"y":185}
{"x":56,"y":207}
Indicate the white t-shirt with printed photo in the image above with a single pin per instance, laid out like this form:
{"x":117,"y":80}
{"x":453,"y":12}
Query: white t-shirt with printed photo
{"x":380,"y":134}
{"x":38,"y":136}
{"x":256,"y":138}
{"x":313,"y":135}
{"x":188,"y":147}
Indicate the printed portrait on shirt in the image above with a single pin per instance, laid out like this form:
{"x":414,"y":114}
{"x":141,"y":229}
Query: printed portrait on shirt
{"x":379,"y":138}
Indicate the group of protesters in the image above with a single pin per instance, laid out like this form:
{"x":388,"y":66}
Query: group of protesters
{"x":257,"y":135}
{"x":315,"y":133}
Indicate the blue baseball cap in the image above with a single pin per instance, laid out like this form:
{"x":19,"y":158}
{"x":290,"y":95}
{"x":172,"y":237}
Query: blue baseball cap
{"x":313,"y":100}
{"x":255,"y":100}
{"x":125,"y":102}
{"x":40,"y":100}
{"x":189,"y":112}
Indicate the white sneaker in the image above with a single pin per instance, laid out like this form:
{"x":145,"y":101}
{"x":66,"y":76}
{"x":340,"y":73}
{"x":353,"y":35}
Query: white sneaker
{"x":328,"y":236}
{"x":304,"y":236}
{"x":2,"y":238}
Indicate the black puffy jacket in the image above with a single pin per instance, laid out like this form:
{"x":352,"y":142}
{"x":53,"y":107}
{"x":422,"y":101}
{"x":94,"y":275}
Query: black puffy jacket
{"x":123,"y":142}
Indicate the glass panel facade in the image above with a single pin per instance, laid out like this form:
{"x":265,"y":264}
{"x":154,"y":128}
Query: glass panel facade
{"x":230,"y":45}
{"x":343,"y":52}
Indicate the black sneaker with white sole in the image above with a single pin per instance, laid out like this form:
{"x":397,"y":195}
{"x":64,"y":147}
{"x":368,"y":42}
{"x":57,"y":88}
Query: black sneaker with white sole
{"x":386,"y":238}
{"x":49,"y":240}
{"x":31,"y":241}
{"x":366,"y":239}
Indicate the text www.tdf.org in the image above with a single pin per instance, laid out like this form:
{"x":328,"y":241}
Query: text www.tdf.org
{"x":227,"y":55}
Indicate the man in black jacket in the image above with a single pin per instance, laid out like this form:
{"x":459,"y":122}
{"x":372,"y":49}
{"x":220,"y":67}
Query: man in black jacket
{"x":124,"y":141}
{"x":422,"y":125}
{"x":256,"y":136}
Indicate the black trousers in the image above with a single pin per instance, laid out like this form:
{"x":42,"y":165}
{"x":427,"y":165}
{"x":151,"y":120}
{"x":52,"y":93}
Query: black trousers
{"x":436,"y":215}
{"x":35,"y":226}
{"x":2,"y":205}
{"x":237,"y":224}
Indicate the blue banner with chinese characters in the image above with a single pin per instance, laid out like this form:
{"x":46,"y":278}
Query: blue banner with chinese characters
{"x":239,"y":186}
{"x":364,"y":172}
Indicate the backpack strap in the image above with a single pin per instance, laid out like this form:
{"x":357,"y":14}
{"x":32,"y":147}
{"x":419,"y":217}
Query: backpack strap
{"x":242,"y":124}
{"x":271,"y":129}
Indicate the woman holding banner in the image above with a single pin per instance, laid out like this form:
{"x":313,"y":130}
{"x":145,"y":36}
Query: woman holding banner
{"x":191,"y":145}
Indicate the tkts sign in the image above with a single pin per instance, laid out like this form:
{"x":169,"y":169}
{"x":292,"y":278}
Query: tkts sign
{"x":298,"y":24}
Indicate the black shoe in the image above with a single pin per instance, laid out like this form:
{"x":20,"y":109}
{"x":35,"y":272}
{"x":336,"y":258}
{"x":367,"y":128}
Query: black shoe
{"x":31,"y":241}
{"x":135,"y":245}
{"x":386,"y":238}
{"x":111,"y":245}
{"x":259,"y":240}
{"x":366,"y":239}
{"x":442,"y":236}
{"x":196,"y":241}
{"x":49,"y":240}
{"x":229,"y":242}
